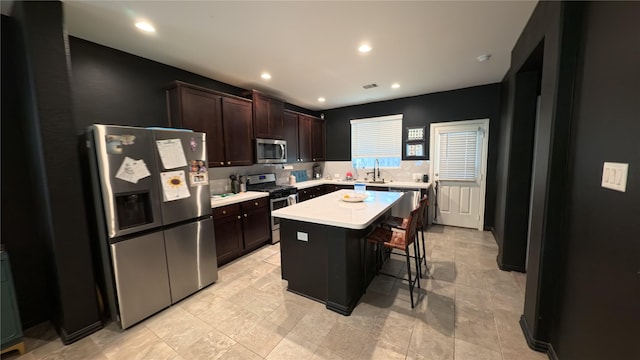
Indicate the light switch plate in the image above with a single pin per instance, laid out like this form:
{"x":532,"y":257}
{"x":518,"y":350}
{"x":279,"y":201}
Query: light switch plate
{"x":614,"y":176}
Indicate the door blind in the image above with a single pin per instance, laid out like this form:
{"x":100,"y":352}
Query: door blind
{"x":459,"y":155}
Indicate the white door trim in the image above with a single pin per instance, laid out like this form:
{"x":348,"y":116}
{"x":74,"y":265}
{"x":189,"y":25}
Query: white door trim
{"x":484,"y":123}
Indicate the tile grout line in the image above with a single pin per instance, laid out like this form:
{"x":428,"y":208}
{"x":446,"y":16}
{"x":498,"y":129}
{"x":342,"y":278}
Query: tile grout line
{"x":455,"y":294}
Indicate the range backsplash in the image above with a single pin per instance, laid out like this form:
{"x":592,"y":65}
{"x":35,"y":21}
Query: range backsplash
{"x":219,"y":177}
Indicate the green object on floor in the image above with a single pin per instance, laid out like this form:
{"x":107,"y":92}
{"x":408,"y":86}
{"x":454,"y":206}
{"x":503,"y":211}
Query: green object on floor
{"x":11,"y":330}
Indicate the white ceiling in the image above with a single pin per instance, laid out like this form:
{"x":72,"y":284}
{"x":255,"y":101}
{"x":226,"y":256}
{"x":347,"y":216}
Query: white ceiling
{"x":310,"y":47}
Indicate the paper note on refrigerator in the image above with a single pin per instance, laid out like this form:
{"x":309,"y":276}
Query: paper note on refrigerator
{"x":171,"y":153}
{"x":132,"y":170}
{"x":174,"y":185}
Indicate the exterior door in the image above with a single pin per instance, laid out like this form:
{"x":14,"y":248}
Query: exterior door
{"x":459,"y":163}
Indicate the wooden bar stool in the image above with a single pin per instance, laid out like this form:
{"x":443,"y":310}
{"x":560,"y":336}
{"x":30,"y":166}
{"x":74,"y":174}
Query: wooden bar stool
{"x":400,"y":240}
{"x":401,"y":224}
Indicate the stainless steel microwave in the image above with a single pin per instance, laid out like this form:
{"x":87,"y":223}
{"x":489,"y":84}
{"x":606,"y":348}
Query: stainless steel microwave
{"x":270,"y":151}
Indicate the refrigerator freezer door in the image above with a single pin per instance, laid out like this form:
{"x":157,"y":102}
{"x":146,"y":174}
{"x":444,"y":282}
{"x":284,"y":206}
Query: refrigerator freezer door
{"x":142,"y":281}
{"x":127,"y":177}
{"x":191,"y":257}
{"x":194,"y":162}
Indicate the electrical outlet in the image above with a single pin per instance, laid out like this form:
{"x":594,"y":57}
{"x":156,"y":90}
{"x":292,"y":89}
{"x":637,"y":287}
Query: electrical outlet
{"x":614,"y":176}
{"x":302,"y":236}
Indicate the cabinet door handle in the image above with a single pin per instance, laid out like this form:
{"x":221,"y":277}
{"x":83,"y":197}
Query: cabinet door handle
{"x":245,"y":215}
{"x":221,"y":162}
{"x":256,"y":203}
{"x":239,"y":217}
{"x":228,"y":162}
{"x":224,"y":211}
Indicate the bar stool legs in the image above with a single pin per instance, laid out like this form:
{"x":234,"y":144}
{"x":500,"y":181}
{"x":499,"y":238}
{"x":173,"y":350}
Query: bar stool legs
{"x":401,"y":241}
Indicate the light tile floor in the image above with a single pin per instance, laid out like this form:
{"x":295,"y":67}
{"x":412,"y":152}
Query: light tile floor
{"x":467,"y":309}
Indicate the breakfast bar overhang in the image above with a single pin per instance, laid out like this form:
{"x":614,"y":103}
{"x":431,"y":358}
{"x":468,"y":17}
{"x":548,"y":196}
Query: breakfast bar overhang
{"x":322,"y":245}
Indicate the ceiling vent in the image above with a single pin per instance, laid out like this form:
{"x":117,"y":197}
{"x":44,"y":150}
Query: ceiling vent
{"x":370,"y":86}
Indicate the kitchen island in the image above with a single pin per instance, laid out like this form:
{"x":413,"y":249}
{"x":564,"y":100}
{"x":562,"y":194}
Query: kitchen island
{"x":322,"y":243}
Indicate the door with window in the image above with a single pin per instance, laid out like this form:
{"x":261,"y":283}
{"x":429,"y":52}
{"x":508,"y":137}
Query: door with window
{"x":459,"y":161}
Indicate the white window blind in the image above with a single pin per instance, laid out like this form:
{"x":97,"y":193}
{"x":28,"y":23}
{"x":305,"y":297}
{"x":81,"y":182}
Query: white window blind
{"x":459,"y":155}
{"x":376,"y":138}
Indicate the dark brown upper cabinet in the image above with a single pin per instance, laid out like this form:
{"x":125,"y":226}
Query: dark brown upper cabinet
{"x":317,"y":139}
{"x":290,"y":120}
{"x":305,"y":137}
{"x":236,"y":123}
{"x":267,"y":116}
{"x":226,"y":119}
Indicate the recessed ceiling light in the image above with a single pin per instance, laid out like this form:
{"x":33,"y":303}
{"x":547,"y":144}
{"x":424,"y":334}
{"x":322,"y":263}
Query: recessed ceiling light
{"x":395,"y":86}
{"x":321,"y":99}
{"x":483,"y":57}
{"x":145,"y":26}
{"x":265,"y":76}
{"x":364,"y":48}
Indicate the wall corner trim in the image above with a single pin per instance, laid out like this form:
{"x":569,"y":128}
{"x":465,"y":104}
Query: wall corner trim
{"x":504,"y":267}
{"x":534,"y":344}
{"x":79,"y":334}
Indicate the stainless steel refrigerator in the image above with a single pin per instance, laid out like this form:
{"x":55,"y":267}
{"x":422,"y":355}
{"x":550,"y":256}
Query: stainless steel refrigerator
{"x":155,"y":230}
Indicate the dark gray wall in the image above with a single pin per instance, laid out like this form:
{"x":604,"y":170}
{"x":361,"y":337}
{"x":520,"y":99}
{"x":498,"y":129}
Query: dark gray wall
{"x":598,"y":302}
{"x":478,"y":102}
{"x":583,"y":282}
{"x":24,"y":242}
{"x":114,"y":87}
{"x":548,"y":44}
{"x":58,"y":220}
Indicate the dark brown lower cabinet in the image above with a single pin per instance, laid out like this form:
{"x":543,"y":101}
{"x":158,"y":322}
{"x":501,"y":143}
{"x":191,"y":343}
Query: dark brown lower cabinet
{"x":241,"y":228}
{"x":255,"y":222}
{"x":311,"y":192}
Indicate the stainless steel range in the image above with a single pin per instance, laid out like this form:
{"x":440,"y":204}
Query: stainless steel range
{"x":279,"y":197}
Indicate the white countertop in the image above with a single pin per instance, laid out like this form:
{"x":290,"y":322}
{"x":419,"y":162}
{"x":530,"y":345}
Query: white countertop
{"x":330,"y":210}
{"x":236,"y":198}
{"x":387,"y":184}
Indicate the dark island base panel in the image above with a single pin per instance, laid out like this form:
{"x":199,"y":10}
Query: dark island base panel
{"x":325,"y":264}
